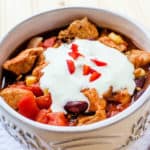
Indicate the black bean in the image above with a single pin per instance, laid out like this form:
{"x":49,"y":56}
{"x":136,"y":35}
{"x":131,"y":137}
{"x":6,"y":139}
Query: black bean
{"x":76,"y":107}
{"x":140,"y":82}
{"x":89,"y":113}
{"x":138,"y":94}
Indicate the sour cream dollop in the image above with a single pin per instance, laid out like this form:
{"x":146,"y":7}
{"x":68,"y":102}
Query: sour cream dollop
{"x":65,"y":87}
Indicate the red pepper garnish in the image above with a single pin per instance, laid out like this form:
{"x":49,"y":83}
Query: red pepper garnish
{"x":92,"y":70}
{"x":94,"y":76}
{"x":74,"y":47}
{"x":98,"y":62}
{"x":71,"y":66}
{"x":74,"y":55}
{"x":86,"y":70}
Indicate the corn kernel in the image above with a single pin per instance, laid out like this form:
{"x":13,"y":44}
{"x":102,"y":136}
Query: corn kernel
{"x":116,"y":38}
{"x":139,"y":72}
{"x":46,"y":92}
{"x":30,"y":80}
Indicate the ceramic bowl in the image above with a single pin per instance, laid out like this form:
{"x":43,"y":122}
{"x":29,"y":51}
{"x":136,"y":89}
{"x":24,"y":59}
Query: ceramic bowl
{"x":113,"y":133}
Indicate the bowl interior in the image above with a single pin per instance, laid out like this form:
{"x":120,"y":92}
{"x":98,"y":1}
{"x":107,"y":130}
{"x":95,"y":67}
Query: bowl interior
{"x":58,"y":18}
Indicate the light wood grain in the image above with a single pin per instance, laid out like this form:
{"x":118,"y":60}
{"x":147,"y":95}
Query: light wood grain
{"x":14,"y":11}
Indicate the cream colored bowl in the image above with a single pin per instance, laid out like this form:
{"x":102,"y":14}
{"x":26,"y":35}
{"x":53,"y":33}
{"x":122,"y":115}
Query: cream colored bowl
{"x":112,"y":133}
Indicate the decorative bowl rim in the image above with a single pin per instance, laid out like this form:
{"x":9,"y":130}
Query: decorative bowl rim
{"x":101,"y":124}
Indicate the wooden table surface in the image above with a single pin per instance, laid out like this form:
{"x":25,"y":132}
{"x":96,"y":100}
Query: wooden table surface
{"x":14,"y":11}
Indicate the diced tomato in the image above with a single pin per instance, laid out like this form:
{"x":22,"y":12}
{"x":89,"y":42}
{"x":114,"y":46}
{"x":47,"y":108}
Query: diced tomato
{"x":27,"y":107}
{"x":43,"y":116}
{"x":49,"y":42}
{"x":94,"y":76}
{"x":86,"y":70}
{"x":74,"y":47}
{"x":52,"y":118}
{"x":58,"y":119}
{"x":71,"y":66}
{"x":44,"y":101}
{"x":98,"y":62}
{"x":35,"y":88}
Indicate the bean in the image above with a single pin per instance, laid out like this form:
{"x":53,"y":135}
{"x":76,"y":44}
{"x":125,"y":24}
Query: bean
{"x":138,"y":94}
{"x":140,"y":82}
{"x":76,"y":107}
{"x":89,"y":113}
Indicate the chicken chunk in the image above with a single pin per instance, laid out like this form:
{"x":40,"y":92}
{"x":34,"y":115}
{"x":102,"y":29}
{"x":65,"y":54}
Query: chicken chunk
{"x":13,"y":95}
{"x":94,"y":99}
{"x":79,"y":28}
{"x":41,"y":63}
{"x":37,"y":71}
{"x":23,"y":62}
{"x":97,"y":105}
{"x":122,"y":96}
{"x":40,"y":60}
{"x":111,"y":43}
{"x":138,"y":57}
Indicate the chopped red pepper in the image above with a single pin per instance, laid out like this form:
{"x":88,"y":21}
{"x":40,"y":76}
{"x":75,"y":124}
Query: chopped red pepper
{"x":71,"y":66}
{"x":74,"y":47}
{"x":98,"y":62}
{"x":44,"y":101}
{"x":92,"y":70}
{"x":49,"y":42}
{"x":86,"y":70}
{"x":94,"y":76}
{"x":27,"y":107}
{"x":75,"y":55}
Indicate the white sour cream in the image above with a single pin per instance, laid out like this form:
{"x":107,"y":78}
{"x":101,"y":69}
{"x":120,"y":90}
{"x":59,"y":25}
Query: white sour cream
{"x":65,"y":87}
